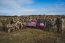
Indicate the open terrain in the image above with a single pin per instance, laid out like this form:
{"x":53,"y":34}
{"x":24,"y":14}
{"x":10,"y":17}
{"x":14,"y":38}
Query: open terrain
{"x":32,"y":35}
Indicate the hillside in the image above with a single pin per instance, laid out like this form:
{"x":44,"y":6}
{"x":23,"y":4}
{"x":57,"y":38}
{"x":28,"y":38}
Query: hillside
{"x":31,"y":36}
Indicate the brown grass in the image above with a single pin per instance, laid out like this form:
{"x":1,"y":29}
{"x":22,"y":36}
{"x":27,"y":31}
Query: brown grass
{"x":30,"y":36}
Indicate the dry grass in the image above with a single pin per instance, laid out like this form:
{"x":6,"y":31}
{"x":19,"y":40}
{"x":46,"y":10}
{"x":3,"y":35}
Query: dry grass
{"x":30,"y":36}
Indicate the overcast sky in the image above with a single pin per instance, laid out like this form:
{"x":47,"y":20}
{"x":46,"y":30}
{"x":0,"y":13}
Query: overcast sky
{"x":29,"y":7}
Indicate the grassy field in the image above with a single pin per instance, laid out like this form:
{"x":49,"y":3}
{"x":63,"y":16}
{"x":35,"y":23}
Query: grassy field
{"x":31,"y":36}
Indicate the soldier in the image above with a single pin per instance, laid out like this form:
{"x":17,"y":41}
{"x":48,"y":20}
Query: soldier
{"x":58,"y":23}
{"x":48,"y":23}
{"x":19,"y":25}
{"x":10,"y":25}
{"x":52,"y":24}
{"x":11,"y":21}
{"x":4,"y":24}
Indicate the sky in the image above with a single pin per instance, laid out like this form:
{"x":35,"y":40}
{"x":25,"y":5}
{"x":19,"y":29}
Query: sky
{"x":32,"y":7}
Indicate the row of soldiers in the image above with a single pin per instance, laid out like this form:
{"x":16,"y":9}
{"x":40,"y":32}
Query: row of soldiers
{"x":17,"y":25}
{"x":51,"y":23}
{"x":57,"y":22}
{"x":11,"y":24}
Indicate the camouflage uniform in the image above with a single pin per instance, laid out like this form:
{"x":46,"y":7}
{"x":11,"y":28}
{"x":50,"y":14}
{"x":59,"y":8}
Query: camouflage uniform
{"x":19,"y":25}
{"x":3,"y":24}
{"x":59,"y":24}
{"x":48,"y":24}
{"x":10,"y":28}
